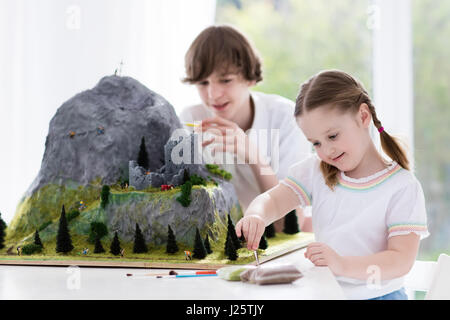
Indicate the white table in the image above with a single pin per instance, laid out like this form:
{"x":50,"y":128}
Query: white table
{"x":73,"y":283}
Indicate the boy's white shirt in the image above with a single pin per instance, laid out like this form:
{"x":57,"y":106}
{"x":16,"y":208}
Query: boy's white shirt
{"x":271,"y":112}
{"x":358,"y":217}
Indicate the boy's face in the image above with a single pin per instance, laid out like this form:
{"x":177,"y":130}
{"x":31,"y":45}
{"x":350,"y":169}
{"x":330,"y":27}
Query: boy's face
{"x":225,"y":93}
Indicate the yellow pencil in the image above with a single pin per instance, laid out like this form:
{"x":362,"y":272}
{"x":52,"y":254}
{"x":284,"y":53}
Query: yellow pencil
{"x":191,"y":124}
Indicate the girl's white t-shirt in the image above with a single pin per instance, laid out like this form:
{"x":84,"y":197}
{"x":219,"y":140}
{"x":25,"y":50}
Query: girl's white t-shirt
{"x":360,"y":215}
{"x":275,"y":132}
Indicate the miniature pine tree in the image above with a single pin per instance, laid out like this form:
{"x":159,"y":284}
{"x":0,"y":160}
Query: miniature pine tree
{"x":98,"y":246}
{"x":115,"y":245}
{"x":2,"y":232}
{"x":230,"y":249}
{"x":143,"y":156}
{"x":172,"y":246}
{"x":269,"y":232}
{"x":104,"y":196}
{"x":186,"y":176}
{"x":232,"y":232}
{"x":263,"y":243}
{"x":63,"y":240}
{"x":199,"y":246}
{"x":37,"y":239}
{"x":291,"y":223}
{"x":207,"y":245}
{"x":139,"y":241}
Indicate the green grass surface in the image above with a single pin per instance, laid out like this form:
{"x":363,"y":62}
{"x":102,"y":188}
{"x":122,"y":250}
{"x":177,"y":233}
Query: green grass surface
{"x":157,"y":254}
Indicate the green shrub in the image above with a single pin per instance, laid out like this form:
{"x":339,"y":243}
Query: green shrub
{"x":44,"y":225}
{"x":185,"y":198}
{"x":72,"y":215}
{"x":214,"y":169}
{"x":31,"y":249}
{"x":98,"y":229}
{"x":197,"y":180}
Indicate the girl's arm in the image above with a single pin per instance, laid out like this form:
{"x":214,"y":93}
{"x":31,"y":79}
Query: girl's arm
{"x":392,"y":263}
{"x":263,"y":210}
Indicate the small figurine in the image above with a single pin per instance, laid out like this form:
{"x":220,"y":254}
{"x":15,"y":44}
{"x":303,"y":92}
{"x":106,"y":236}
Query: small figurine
{"x":100,"y":130}
{"x":82,"y":206}
{"x":187,"y":255}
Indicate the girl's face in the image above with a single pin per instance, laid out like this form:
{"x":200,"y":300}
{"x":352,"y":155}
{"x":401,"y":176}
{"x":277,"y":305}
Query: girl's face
{"x":340,"y":139}
{"x":225,"y":94}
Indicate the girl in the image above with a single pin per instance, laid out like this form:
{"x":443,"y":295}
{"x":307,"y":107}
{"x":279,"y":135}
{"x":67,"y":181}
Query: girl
{"x":223,"y":66}
{"x":368,"y":214}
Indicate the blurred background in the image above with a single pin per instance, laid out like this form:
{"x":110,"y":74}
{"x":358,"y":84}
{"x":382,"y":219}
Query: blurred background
{"x":54,"y":49}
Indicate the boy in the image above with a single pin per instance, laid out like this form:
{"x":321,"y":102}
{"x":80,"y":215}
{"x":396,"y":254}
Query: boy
{"x":223,"y":66}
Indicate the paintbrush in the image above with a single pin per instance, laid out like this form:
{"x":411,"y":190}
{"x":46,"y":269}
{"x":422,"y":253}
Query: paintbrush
{"x":256,"y":257}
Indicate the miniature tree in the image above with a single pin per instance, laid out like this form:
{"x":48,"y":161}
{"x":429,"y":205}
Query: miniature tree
{"x":207,"y":245}
{"x":104,"y":196}
{"x":172,"y":246}
{"x":143,"y":156}
{"x":2,"y":232}
{"x":37,"y":239}
{"x":199,"y":246}
{"x":269,"y":232}
{"x":186,"y":176}
{"x":63,"y":240}
{"x":230,"y":249}
{"x":139,"y":241}
{"x":98,"y":246}
{"x":263,"y":243}
{"x":232,"y":232}
{"x":185,"y":198}
{"x":115,"y":245}
{"x":291,"y":223}
{"x":97,"y":229}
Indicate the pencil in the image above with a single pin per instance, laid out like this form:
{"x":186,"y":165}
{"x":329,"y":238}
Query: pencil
{"x":191,"y":124}
{"x":173,"y":273}
{"x":187,"y":276}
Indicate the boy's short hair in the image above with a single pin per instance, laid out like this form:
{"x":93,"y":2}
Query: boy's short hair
{"x":224,"y":49}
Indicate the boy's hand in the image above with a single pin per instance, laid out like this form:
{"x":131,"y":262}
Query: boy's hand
{"x":322,"y":255}
{"x":252,"y":227}
{"x":228,"y":137}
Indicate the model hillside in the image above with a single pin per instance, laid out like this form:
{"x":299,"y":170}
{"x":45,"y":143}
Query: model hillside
{"x":119,"y":171}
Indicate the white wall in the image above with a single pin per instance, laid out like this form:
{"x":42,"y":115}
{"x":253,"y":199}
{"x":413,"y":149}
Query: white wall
{"x":393,"y":68}
{"x":53,"y":49}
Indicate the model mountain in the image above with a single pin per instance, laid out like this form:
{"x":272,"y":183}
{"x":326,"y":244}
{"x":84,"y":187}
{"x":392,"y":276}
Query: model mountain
{"x":95,"y":140}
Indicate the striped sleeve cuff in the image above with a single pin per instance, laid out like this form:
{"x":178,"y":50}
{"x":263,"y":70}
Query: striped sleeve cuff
{"x":305,"y":199}
{"x":397,"y":229}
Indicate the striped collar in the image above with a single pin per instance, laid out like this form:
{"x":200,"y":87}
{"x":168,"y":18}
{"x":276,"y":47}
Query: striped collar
{"x":371,"y":181}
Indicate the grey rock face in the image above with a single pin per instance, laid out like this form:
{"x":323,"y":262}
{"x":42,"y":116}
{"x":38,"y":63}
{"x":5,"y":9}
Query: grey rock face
{"x":107,"y":123}
{"x":153,"y":216}
{"x":181,"y":154}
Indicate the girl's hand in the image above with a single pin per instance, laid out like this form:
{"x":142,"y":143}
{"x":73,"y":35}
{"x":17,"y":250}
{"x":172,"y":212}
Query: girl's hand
{"x":228,"y":137}
{"x":322,"y":255}
{"x":252,"y":227}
